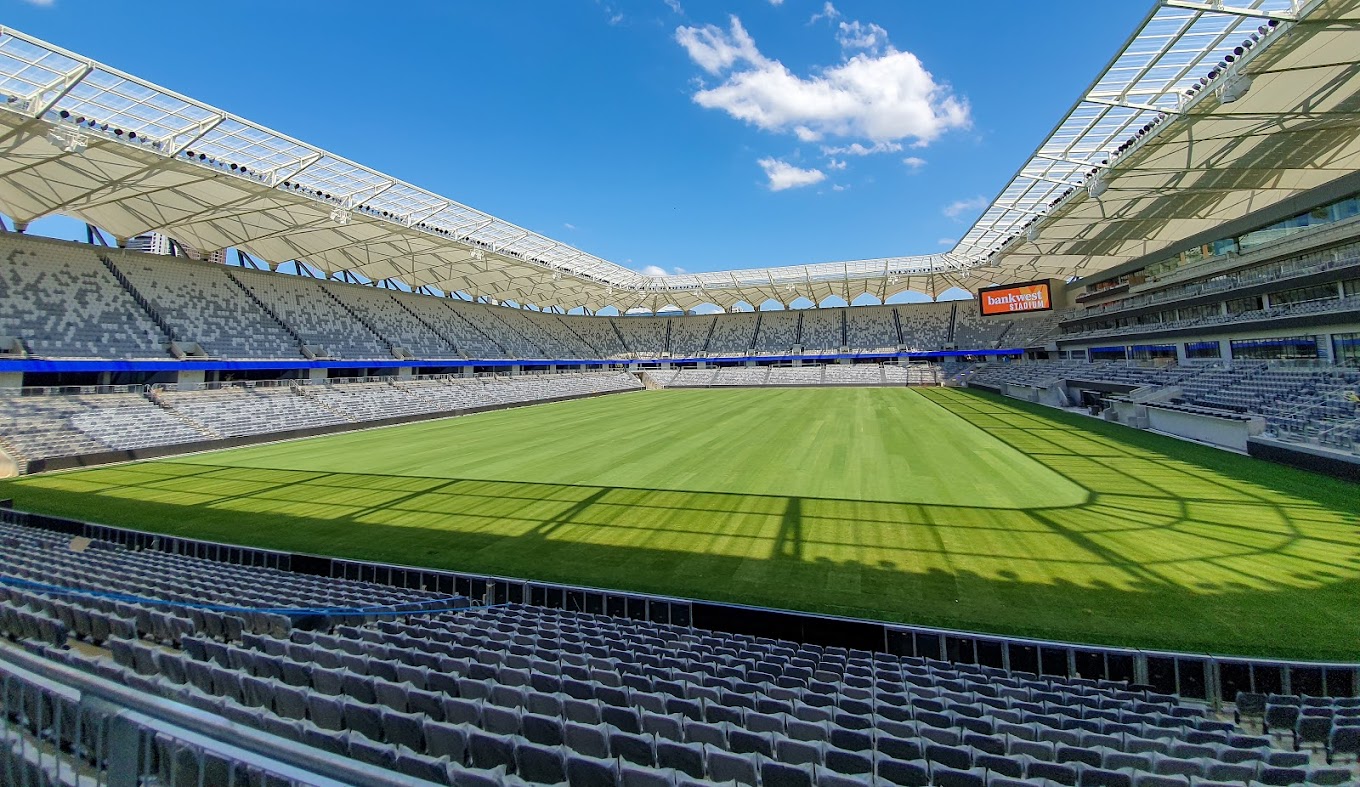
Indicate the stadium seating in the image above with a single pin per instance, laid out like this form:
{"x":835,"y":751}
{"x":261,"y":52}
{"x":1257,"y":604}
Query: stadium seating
{"x":689,"y":335}
{"x":644,"y":337}
{"x":601,"y":338}
{"x":1307,"y":404}
{"x":445,"y":690}
{"x":55,"y":425}
{"x":733,"y":334}
{"x":317,"y":318}
{"x":386,"y":311}
{"x":778,"y":333}
{"x":823,"y":330}
{"x":925,"y":326}
{"x":202,"y":304}
{"x":60,"y":301}
{"x":808,"y":374}
{"x":37,"y":427}
{"x":142,"y":302}
{"x":971,"y":330}
{"x":872,"y":329}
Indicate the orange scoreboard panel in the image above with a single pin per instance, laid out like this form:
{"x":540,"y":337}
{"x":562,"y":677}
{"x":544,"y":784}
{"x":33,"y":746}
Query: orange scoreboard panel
{"x":1030,"y":296}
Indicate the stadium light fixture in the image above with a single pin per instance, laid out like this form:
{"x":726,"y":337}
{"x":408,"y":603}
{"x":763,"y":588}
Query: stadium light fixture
{"x":68,"y":140}
{"x":1234,"y":87}
{"x":1097,"y":186}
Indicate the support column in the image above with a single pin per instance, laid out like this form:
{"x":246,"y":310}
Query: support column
{"x":189,"y":379}
{"x":317,"y":374}
{"x":11,"y":379}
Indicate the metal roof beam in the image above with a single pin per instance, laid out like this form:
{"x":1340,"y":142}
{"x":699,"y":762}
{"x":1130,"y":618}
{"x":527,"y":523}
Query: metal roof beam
{"x":1118,"y":102}
{"x":1217,"y":7}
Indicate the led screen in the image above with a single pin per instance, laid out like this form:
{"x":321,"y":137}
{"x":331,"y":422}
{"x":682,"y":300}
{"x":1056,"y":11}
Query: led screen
{"x":1033,"y":296}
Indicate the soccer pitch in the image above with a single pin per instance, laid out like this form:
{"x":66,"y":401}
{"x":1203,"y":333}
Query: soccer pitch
{"x":930,"y":506}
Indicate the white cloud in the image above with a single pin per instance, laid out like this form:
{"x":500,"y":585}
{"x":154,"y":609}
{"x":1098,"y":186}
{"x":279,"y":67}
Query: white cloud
{"x":715,"y":51}
{"x":653,"y":270}
{"x":857,"y":35}
{"x":675,"y":6}
{"x":881,"y":97}
{"x":42,"y":3}
{"x":776,"y":2}
{"x":615,"y":19}
{"x":856,"y":149}
{"x":946,"y":241}
{"x":839,"y":187}
{"x":835,"y":164}
{"x":828,"y":12}
{"x":569,"y":225}
{"x":960,"y":207}
{"x":915,"y":162}
{"x":784,"y":175}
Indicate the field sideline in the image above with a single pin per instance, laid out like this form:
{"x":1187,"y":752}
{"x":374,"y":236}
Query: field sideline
{"x":931,"y":506}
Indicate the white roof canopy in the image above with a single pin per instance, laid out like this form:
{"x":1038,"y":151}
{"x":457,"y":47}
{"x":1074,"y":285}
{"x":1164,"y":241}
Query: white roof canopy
{"x":86,"y":140}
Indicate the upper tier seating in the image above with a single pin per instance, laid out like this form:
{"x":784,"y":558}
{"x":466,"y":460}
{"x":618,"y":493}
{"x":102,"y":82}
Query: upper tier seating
{"x":973,"y":331}
{"x":598,"y":333}
{"x":733,"y":334}
{"x":61,"y":302}
{"x":386,"y":311}
{"x":871,"y":329}
{"x":823,"y":330}
{"x":643,"y":336}
{"x":234,"y":312}
{"x":689,"y":335}
{"x":458,"y":321}
{"x":445,"y":691}
{"x":925,"y":326}
{"x":202,"y":304}
{"x":778,"y":332}
{"x":322,"y":322}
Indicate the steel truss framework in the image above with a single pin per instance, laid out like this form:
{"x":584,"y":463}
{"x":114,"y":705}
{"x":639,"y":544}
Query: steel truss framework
{"x":1210,"y":111}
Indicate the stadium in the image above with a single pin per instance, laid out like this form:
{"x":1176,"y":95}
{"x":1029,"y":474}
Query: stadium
{"x":310,"y":475}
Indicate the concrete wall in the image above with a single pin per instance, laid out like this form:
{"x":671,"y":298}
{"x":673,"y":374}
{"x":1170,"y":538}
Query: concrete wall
{"x":1225,"y":432}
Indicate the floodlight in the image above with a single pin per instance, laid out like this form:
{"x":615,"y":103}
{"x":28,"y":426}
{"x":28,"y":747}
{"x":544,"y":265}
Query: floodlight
{"x":1234,"y":88}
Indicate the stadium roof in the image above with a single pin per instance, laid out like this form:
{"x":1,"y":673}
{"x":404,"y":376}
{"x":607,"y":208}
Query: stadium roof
{"x":1138,"y":163}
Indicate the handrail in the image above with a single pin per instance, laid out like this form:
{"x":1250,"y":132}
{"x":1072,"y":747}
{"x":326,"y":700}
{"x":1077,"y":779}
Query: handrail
{"x":902,"y":639}
{"x":150,"y":715}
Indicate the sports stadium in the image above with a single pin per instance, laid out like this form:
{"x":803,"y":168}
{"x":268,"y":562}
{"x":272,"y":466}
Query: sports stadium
{"x":338,"y":480}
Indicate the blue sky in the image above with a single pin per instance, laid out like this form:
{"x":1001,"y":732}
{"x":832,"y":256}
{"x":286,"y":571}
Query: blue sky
{"x":659,"y":134}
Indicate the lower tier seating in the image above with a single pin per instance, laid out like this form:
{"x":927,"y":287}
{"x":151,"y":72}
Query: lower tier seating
{"x":39,"y":427}
{"x":453,"y":693}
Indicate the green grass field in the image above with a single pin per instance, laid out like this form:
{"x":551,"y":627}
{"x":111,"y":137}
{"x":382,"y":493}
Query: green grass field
{"x":934,"y":506}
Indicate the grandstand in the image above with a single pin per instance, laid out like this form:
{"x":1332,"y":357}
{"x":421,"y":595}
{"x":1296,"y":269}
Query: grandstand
{"x":453,"y":502}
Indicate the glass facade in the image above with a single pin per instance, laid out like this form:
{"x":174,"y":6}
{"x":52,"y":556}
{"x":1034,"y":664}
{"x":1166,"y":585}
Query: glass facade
{"x":1331,"y":213}
{"x":1202,"y":350}
{"x":1346,"y":349}
{"x":1152,"y":352}
{"x":1275,"y":348}
{"x":1108,"y":353}
{"x":1320,"y":292}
